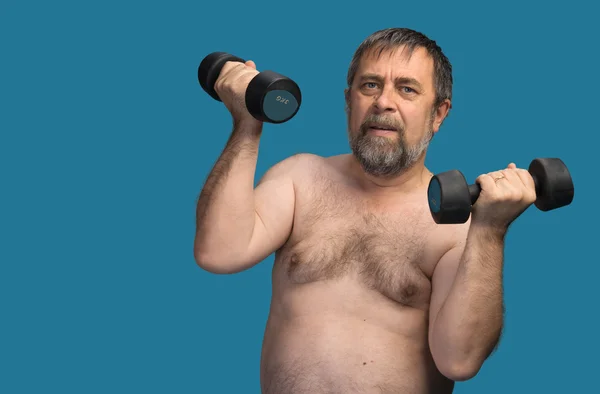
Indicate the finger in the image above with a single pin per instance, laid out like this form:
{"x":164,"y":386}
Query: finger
{"x":529,"y":184}
{"x":234,"y":70}
{"x":497,"y":175}
{"x":228,"y":69}
{"x":486,"y":182}
{"x":512,"y":183}
{"x":250,"y":63}
{"x":511,"y":175}
{"x":512,"y":166}
{"x":242,"y":70}
{"x":504,"y":185}
{"x":522,"y":186}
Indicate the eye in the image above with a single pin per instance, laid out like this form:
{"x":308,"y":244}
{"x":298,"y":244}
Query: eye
{"x":406,"y":89}
{"x":373,"y":85}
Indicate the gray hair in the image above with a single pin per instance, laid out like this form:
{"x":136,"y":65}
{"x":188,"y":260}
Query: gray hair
{"x":389,"y":39}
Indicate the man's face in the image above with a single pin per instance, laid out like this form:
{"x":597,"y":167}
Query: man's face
{"x":394,"y":92}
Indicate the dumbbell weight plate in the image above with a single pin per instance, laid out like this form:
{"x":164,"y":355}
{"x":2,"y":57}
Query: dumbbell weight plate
{"x":449,"y":198}
{"x":554,"y":185}
{"x":272,"y":97}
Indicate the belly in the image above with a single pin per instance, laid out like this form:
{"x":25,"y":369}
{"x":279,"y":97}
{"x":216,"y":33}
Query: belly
{"x":336,"y":337}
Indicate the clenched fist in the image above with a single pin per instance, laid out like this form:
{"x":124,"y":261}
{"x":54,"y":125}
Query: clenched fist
{"x":505,"y":194}
{"x":231,"y":87}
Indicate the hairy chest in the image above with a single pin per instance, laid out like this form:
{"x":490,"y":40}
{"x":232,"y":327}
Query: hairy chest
{"x":336,"y":236}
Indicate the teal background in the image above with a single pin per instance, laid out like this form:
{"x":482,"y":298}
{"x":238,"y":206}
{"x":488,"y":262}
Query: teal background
{"x":107,"y":138}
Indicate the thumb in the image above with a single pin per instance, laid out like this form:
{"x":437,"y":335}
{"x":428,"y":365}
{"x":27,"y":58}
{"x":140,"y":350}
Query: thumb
{"x":250,"y":63}
{"x":512,"y":165}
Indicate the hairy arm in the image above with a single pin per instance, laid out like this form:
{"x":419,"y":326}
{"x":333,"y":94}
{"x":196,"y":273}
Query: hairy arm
{"x":466,"y":311}
{"x":238,"y":225}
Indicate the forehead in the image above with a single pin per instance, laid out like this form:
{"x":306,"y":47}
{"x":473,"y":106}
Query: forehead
{"x":398,"y":62}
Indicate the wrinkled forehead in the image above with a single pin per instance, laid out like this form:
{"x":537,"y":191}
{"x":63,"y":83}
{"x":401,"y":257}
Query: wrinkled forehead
{"x":398,"y":62}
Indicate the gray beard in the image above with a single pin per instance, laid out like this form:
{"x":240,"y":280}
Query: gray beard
{"x":383,"y":157}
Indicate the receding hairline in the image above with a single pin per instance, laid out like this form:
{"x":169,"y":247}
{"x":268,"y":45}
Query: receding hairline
{"x":407,"y":51}
{"x":379,"y":49}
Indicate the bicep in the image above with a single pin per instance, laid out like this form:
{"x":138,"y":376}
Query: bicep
{"x":274,"y":202}
{"x":443,"y":279}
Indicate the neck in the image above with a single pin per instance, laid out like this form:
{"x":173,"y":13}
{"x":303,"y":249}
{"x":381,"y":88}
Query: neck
{"x":411,"y":180}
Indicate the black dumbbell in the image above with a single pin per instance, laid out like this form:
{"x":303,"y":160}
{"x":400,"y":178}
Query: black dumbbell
{"x":270,"y":97}
{"x":451,"y":198}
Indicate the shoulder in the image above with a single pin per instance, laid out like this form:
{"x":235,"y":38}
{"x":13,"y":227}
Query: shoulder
{"x":303,"y":166}
{"x":298,"y":161}
{"x":288,"y":167}
{"x":306,"y":160}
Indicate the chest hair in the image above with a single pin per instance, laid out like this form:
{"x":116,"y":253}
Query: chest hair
{"x":337,"y":235}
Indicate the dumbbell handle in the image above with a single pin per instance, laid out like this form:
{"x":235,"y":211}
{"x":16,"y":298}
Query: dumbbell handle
{"x":475,"y":189}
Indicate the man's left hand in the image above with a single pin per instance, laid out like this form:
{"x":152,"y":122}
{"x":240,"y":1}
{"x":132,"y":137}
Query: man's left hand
{"x":505,"y":194}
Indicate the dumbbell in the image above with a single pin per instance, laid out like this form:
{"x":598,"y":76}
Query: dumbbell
{"x":270,"y":97}
{"x":451,"y":198}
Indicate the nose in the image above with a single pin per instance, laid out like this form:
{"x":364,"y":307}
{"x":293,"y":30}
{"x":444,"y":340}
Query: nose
{"x":383,"y":101}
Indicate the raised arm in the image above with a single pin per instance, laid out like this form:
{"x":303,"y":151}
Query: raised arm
{"x":467,"y":306}
{"x":238,"y":225}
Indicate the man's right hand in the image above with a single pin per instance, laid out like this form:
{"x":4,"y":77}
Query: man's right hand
{"x":231,"y":87}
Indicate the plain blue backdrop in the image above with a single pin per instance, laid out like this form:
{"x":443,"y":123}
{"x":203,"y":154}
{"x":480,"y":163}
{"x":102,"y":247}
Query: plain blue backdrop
{"x":107,"y":138}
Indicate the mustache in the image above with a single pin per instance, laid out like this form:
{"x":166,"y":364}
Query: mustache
{"x":382,"y":120}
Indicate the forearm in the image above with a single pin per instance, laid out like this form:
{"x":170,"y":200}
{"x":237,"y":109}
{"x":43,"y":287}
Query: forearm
{"x":225,"y":212}
{"x":470,"y":321}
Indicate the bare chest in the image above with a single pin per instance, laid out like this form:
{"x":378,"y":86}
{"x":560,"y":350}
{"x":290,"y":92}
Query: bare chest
{"x":336,"y":236}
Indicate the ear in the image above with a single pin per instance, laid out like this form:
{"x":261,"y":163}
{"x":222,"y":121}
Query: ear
{"x":440,"y":114}
{"x":347,"y":97}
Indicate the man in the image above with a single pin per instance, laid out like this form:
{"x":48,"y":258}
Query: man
{"x":369,"y":294}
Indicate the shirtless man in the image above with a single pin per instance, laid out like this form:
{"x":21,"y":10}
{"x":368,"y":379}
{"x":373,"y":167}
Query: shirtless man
{"x":369,"y":294}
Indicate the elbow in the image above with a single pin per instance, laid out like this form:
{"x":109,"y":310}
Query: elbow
{"x":220,"y":264}
{"x":459,"y":371}
{"x":207,"y":259}
{"x":213,"y":265}
{"x":210,"y":265}
{"x":456,"y":362}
